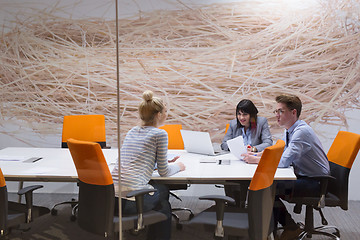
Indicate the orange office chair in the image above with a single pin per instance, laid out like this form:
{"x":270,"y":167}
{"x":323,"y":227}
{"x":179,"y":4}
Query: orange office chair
{"x":86,"y":128}
{"x":174,"y":136}
{"x":255,"y":220}
{"x":175,"y":141}
{"x":227,"y":127}
{"x":334,"y":188}
{"x":13,"y":214}
{"x":97,"y":194}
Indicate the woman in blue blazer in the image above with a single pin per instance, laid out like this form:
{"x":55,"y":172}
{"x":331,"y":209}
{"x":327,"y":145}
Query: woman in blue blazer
{"x":256,"y":134}
{"x":255,"y":130}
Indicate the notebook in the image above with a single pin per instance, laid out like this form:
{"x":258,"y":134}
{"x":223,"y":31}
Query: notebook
{"x":198,"y":142}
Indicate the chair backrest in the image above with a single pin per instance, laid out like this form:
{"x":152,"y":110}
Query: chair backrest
{"x":96,"y":188}
{"x":174,"y":136}
{"x":84,"y":127}
{"x":227,"y":127}
{"x":3,"y":205}
{"x":341,"y":155}
{"x":265,"y":171}
{"x":261,"y":193}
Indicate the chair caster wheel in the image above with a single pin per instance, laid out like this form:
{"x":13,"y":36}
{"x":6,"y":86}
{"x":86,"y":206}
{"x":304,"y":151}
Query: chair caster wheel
{"x":54,"y":212}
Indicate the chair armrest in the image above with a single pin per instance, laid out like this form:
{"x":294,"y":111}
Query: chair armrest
{"x":218,"y":198}
{"x":323,"y":189}
{"x":140,"y":192}
{"x":219,"y":204}
{"x":323,"y":179}
{"x":28,"y":191}
{"x":220,"y":201}
{"x":139,"y":199}
{"x":319,"y":177}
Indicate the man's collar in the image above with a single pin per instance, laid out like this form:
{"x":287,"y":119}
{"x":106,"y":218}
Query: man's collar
{"x":291,"y":129}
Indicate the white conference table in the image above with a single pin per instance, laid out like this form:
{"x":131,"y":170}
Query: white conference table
{"x":202,"y":169}
{"x":56,"y":165}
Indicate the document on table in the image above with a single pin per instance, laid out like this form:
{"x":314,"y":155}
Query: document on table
{"x":6,"y":158}
{"x":236,"y":146}
{"x":170,"y":156}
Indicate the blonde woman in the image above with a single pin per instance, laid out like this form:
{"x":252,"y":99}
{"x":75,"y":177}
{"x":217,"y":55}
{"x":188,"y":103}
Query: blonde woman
{"x":145,"y":147}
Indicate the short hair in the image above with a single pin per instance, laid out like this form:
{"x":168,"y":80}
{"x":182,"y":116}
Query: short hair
{"x":247,"y":106}
{"x":291,"y":101}
{"x":149,"y":107}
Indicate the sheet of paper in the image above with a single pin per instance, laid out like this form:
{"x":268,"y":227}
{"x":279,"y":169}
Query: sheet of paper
{"x":13,"y":158}
{"x":170,"y":156}
{"x":236,"y":146}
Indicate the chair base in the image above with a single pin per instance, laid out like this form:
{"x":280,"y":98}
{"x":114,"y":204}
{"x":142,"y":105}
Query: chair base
{"x":321,"y":230}
{"x":177,"y":218}
{"x":74,"y":206}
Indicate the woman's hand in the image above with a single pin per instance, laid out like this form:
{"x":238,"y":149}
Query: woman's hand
{"x":181,"y":165}
{"x":174,"y":159}
{"x":251,"y":149}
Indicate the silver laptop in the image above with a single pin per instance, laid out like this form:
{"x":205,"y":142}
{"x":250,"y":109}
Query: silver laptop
{"x":198,"y":142}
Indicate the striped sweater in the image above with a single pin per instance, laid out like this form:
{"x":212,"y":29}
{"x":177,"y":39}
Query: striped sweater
{"x":143,"y":147}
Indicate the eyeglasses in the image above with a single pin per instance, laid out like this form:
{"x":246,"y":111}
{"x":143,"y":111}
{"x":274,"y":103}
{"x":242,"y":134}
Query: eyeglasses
{"x":278,"y":111}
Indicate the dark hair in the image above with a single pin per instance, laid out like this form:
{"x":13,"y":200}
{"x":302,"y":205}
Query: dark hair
{"x":247,"y":106}
{"x":291,"y":102}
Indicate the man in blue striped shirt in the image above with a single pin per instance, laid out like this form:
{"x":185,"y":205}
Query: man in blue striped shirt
{"x":305,"y":153}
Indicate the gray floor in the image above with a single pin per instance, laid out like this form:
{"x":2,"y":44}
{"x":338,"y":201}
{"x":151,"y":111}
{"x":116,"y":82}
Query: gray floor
{"x":60,"y":227}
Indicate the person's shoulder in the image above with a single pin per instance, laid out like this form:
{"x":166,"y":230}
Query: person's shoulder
{"x":261,"y":119}
{"x":233,"y":122}
{"x":133,"y":129}
{"x":301,"y":124}
{"x":303,"y":128}
{"x":158,"y":131}
{"x":262,"y":122}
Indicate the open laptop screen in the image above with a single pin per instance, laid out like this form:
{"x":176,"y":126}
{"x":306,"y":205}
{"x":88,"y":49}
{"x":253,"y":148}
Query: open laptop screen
{"x":197,"y":142}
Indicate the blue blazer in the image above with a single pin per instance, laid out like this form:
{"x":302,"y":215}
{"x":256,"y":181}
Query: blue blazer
{"x":261,"y":139}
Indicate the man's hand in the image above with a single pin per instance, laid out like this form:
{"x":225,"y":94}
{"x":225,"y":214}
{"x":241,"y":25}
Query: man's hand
{"x":251,"y":158}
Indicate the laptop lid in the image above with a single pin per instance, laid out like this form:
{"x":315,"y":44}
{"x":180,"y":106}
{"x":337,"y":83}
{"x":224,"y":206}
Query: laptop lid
{"x":197,"y":142}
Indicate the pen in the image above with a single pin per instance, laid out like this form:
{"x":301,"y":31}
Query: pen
{"x":37,"y":159}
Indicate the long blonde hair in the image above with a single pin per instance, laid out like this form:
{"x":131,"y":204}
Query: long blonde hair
{"x":149,"y":107}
